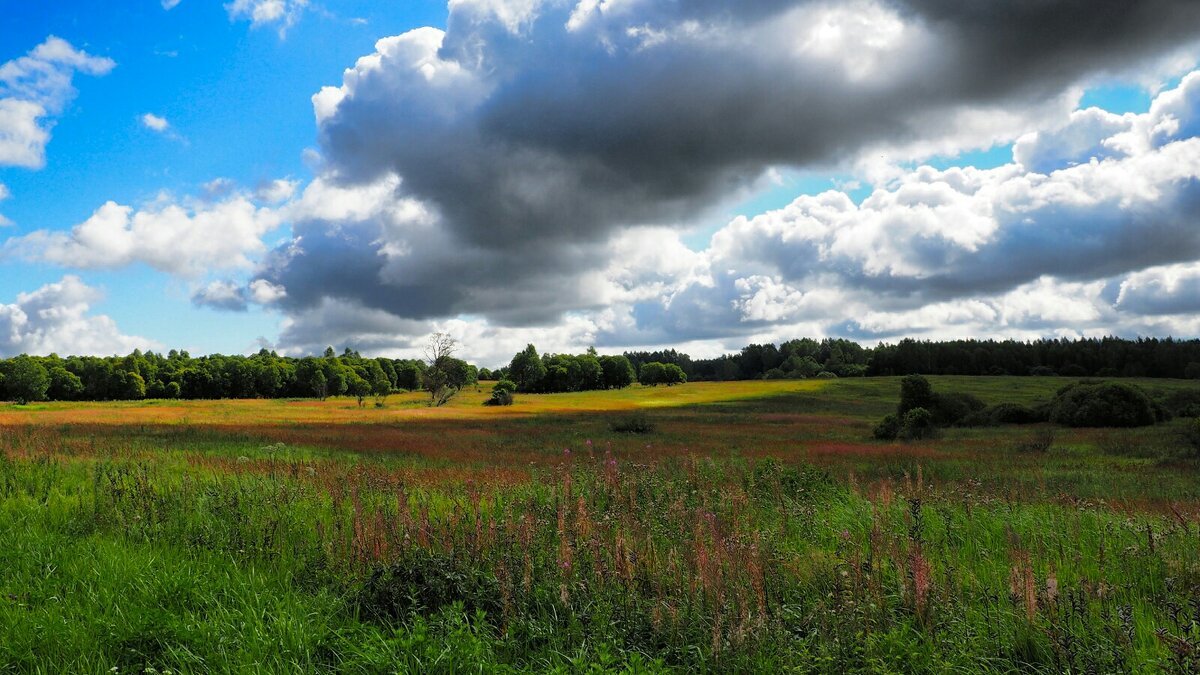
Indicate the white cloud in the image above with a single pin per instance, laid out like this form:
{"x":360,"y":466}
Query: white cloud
{"x":55,"y":318}
{"x":224,"y":295}
{"x":276,"y":191}
{"x":4,"y":194}
{"x":187,"y":240}
{"x":155,"y":123}
{"x":169,"y":4}
{"x":264,"y":292}
{"x":34,"y":88}
{"x":281,"y":13}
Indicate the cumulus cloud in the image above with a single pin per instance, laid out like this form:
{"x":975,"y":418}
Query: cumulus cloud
{"x":4,"y":194}
{"x":33,"y":90}
{"x":1104,"y":243}
{"x":225,"y":295}
{"x":155,"y":123}
{"x":56,"y":318}
{"x":276,"y":191}
{"x":187,"y":240}
{"x":503,"y":168}
{"x":281,"y":13}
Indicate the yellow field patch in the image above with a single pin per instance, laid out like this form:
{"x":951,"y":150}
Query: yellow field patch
{"x":399,"y":407}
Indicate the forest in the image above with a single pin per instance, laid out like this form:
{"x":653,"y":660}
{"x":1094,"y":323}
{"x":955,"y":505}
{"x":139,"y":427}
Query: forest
{"x":266,"y":374}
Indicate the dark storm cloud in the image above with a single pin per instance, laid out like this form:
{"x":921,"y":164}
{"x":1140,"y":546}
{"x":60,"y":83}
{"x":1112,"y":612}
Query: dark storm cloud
{"x":535,"y":138}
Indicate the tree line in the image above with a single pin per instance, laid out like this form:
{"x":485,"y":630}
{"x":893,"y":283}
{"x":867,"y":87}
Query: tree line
{"x":263,"y":375}
{"x":268,"y":375}
{"x":832,"y":357}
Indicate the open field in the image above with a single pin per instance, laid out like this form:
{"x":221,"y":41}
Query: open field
{"x":756,"y":527}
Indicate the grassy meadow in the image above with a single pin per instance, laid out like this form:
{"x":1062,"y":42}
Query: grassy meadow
{"x":749,"y":527}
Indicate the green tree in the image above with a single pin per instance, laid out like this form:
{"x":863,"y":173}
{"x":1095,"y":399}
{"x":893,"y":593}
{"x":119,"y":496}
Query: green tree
{"x":381,"y":386}
{"x":357,"y":387}
{"x":652,"y":374}
{"x":527,"y":370}
{"x":618,"y":372}
{"x":915,"y":392}
{"x":445,"y":375}
{"x":26,"y":380}
{"x":64,"y":385}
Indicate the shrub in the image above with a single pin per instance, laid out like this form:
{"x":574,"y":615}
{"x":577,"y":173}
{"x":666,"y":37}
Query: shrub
{"x":917,"y":424}
{"x":1042,"y":371}
{"x":1102,"y":404}
{"x":826,"y":375}
{"x":634,"y":424}
{"x":1073,"y":370}
{"x":915,"y":392}
{"x":952,"y":407}
{"x":1004,"y":413}
{"x":1183,"y":403}
{"x":423,"y":582}
{"x":502,"y":393}
{"x":888,"y":428}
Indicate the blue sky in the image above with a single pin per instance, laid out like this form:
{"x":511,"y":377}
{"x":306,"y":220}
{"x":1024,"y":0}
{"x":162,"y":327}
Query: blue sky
{"x":237,"y":100}
{"x":677,"y":239}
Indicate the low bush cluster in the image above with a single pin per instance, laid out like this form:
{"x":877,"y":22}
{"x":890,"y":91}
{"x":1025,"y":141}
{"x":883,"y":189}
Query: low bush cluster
{"x":502,"y":393}
{"x":1103,"y":404}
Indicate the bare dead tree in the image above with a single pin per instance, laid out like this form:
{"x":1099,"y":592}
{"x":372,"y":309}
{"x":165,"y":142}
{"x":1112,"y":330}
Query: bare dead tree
{"x":440,"y":346}
{"x":445,"y":375}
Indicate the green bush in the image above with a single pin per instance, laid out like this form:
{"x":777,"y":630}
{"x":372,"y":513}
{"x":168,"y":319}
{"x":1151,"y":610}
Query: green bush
{"x":888,"y":428}
{"x":502,"y":393}
{"x":1183,"y":403}
{"x":953,"y":407}
{"x":1102,"y":404}
{"x":917,"y":424}
{"x":915,"y":392}
{"x":634,"y":424}
{"x":1004,"y":413}
{"x":422,"y":583}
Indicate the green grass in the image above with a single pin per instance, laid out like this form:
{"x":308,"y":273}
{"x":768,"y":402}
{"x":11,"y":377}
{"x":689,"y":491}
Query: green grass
{"x":749,"y":531}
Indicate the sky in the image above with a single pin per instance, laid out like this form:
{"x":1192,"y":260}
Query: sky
{"x":629,"y":174}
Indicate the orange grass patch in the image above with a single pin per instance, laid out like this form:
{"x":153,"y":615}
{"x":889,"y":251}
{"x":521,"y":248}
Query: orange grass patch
{"x":400,"y":408}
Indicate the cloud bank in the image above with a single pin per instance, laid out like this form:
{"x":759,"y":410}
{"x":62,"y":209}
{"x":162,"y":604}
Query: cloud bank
{"x":55,"y":319}
{"x":501,"y":170}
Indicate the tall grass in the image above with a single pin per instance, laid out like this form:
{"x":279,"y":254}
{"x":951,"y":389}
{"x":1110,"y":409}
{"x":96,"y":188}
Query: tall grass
{"x":288,"y":561}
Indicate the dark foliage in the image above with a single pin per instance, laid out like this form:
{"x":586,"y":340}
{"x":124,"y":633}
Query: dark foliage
{"x":423,"y":582}
{"x":917,"y":424}
{"x":502,"y":393}
{"x":1102,"y":404}
{"x":633,"y":424}
{"x":953,"y":407}
{"x":915,"y":392}
{"x":888,"y":428}
{"x":179,"y":375}
{"x":1005,"y":413}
